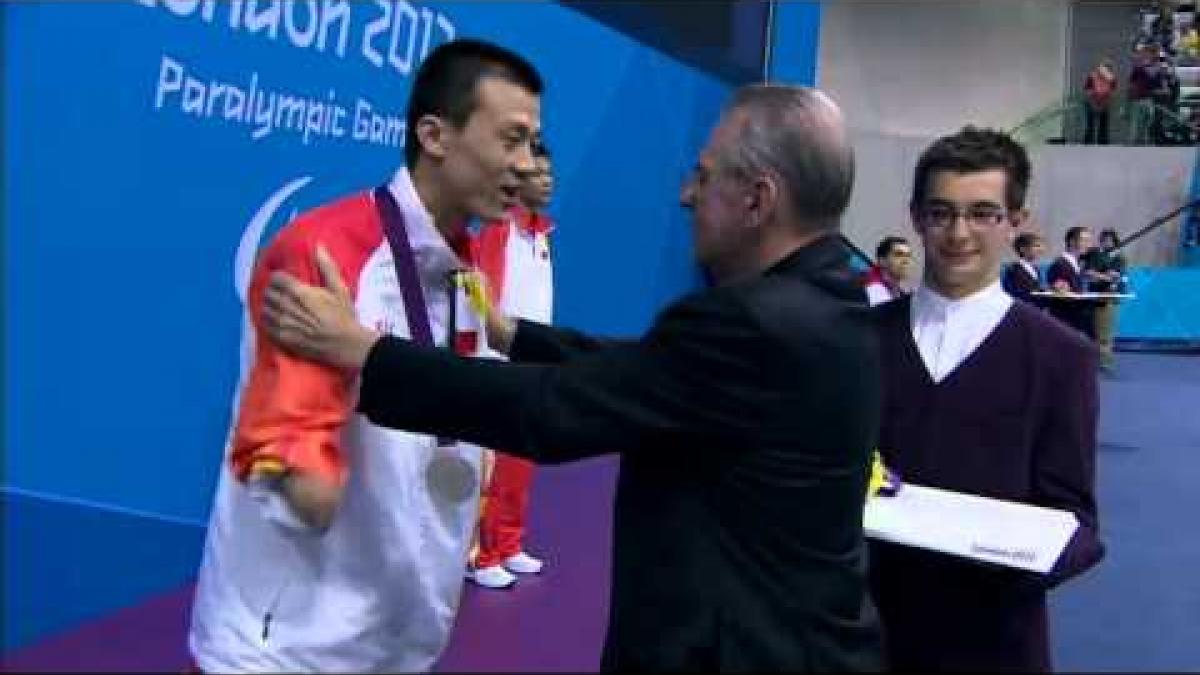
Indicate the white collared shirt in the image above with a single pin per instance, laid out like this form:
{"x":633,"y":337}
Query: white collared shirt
{"x":877,"y":294}
{"x":948,"y":331}
{"x":435,"y":259}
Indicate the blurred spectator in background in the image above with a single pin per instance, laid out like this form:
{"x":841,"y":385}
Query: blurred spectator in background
{"x":1165,"y":95}
{"x":1098,"y":91}
{"x":1144,"y":80}
{"x":1189,"y":46}
{"x":888,"y":277}
{"x":1066,"y":276}
{"x":1104,"y":272}
{"x":1022,"y":277}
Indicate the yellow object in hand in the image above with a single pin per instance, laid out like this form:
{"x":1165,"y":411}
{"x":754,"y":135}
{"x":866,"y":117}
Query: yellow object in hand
{"x":267,"y":467}
{"x":878,"y":476}
{"x":476,"y":289}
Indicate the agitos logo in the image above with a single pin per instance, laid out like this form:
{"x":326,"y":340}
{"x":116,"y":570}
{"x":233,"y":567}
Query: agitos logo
{"x":243,"y":265}
{"x":251,"y":241}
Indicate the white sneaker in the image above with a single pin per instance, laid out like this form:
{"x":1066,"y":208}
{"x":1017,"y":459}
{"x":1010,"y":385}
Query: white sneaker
{"x":523,"y":563}
{"x":492,"y":577}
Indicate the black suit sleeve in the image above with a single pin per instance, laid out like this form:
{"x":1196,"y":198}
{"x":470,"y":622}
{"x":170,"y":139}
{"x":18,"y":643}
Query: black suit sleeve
{"x":695,"y":377}
{"x":1012,"y":283}
{"x":538,"y":343}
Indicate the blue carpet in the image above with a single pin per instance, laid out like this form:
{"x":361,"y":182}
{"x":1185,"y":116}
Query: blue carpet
{"x":1140,"y":608}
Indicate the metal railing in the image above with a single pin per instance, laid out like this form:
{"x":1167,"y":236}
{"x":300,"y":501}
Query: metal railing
{"x":1155,"y":224}
{"x":1130,"y":123}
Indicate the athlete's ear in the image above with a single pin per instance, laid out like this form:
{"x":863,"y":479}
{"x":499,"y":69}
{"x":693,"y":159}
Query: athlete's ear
{"x":431,"y":134}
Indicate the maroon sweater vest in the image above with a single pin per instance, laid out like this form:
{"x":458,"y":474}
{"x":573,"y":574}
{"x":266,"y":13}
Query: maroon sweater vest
{"x":1017,"y":421}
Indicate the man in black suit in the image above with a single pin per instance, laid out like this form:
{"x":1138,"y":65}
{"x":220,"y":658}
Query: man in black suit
{"x":745,"y":417}
{"x":1066,"y":274}
{"x":1021,"y":277}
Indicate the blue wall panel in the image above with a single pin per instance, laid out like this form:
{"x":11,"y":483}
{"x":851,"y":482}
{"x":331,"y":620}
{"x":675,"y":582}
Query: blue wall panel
{"x":139,"y":155}
{"x":68,"y":562}
{"x":1166,"y":306}
{"x":133,"y":173}
{"x":126,"y":206}
{"x":796,"y":32}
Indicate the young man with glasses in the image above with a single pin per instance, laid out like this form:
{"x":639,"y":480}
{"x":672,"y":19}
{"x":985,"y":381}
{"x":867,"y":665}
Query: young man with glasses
{"x":982,"y":395}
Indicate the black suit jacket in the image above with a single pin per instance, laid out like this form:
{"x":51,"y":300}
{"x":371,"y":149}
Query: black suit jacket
{"x":1020,"y":283}
{"x":745,"y":419}
{"x":1061,"y":270}
{"x":1079,"y":315}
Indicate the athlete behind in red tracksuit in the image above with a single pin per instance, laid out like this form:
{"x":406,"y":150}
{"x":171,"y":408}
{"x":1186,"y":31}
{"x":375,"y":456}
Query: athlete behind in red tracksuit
{"x":514,"y":256}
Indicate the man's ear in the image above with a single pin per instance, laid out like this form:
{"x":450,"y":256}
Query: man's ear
{"x":431,"y":134}
{"x":763,"y":197}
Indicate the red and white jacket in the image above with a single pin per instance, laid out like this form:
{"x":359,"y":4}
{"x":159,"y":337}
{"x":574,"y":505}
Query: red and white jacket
{"x":514,"y":256}
{"x":378,"y":590}
{"x":879,"y":286}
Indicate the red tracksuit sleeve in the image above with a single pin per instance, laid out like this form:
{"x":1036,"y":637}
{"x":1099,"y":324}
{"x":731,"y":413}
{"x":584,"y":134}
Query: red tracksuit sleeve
{"x":291,"y":411}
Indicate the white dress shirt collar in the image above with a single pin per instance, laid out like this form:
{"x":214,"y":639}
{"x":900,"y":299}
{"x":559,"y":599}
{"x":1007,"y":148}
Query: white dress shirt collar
{"x":948,"y":331}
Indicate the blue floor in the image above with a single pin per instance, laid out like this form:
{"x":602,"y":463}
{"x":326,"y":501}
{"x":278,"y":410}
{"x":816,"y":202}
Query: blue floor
{"x":1139,"y":610}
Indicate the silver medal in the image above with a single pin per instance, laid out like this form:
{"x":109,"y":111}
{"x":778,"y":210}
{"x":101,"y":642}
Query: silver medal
{"x":451,"y":476}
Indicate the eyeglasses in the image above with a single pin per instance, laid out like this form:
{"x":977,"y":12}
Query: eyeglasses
{"x":532,"y":173}
{"x":979,"y":216}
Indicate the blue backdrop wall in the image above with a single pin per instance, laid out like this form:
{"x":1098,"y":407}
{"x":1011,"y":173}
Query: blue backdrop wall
{"x":146,"y":142}
{"x":795,"y":35}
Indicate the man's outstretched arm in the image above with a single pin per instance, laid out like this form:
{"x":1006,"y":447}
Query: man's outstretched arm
{"x":692,"y":378}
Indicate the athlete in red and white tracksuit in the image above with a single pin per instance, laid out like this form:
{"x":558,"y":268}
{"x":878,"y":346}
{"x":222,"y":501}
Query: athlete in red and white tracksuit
{"x":514,"y":256}
{"x":377,"y":591}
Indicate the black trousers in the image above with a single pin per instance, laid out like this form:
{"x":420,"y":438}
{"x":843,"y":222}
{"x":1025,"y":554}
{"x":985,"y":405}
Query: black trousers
{"x":1078,"y":315}
{"x":1095,"y":125}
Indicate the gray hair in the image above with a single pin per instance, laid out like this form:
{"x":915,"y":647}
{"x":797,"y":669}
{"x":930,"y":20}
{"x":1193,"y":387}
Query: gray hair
{"x":797,"y":133}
